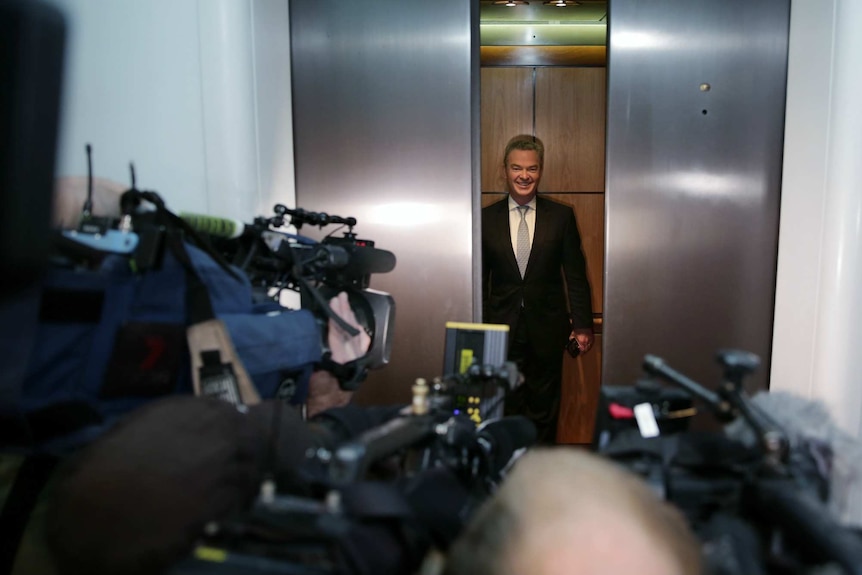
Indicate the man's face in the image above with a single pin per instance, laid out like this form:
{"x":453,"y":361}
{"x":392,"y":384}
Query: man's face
{"x":522,"y":174}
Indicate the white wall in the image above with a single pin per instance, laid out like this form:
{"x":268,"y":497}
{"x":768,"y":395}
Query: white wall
{"x":818,"y":320}
{"x":818,"y":313}
{"x":195,"y":92}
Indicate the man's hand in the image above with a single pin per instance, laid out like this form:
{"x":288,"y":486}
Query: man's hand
{"x":584,"y":338}
{"x":345,"y":347}
{"x":324,"y":393}
{"x":323,"y":389}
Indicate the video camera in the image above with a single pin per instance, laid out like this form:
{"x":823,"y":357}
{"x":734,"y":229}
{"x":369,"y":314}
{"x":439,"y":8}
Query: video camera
{"x":271,"y":259}
{"x":377,"y":501}
{"x":275,"y":260}
{"x":757,"y":500}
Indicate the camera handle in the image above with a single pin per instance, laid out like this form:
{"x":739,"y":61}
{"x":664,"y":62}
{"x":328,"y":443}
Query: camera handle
{"x":321,"y":301}
{"x":300,"y":217}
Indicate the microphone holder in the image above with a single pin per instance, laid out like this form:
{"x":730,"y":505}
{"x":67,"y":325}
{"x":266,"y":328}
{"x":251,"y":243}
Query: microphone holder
{"x":730,"y":400}
{"x":770,"y":436}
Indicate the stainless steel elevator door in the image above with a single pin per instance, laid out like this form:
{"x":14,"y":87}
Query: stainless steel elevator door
{"x":696,"y":92}
{"x":385,"y":116}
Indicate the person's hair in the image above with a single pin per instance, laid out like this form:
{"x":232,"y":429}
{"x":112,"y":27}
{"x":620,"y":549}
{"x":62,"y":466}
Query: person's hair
{"x":528,"y":143}
{"x":568,"y":485}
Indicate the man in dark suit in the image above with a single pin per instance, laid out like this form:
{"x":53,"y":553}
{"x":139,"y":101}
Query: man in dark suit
{"x":529,"y":244}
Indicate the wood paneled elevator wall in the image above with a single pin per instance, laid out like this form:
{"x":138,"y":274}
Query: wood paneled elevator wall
{"x":564,"y":106}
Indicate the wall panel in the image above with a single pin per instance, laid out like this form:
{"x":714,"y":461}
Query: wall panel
{"x":195,"y":92}
{"x":579,"y":399}
{"x":694,"y":145}
{"x":506,"y":110}
{"x":570,"y":120}
{"x":590,"y":213}
{"x":385,"y":128}
{"x":567,"y":108}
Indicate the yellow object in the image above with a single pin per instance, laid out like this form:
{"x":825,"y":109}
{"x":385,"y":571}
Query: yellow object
{"x":211,"y":554}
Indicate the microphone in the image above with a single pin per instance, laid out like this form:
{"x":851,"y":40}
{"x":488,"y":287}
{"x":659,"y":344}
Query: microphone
{"x":502,"y":440}
{"x":215,"y":226}
{"x":367,"y":260}
{"x":331,"y":257}
{"x":353,"y":261}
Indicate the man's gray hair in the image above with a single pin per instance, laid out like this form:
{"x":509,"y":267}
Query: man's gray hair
{"x":528,"y":143}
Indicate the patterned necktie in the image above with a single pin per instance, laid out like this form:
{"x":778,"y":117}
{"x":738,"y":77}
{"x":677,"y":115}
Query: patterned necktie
{"x":522,"y":253}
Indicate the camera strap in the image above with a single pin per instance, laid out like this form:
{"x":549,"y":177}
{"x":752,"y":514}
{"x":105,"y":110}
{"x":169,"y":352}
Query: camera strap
{"x":321,"y":301}
{"x":217,"y":370}
{"x":350,"y":375}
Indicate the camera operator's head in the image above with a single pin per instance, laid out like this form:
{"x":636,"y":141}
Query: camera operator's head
{"x":565,"y":511}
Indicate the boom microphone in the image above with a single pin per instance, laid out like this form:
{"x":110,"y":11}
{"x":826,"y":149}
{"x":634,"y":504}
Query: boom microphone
{"x":215,"y":226}
{"x":366,"y":260}
{"x":353,"y":261}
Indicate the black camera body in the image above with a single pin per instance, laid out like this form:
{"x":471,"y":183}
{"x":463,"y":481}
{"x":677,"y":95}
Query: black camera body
{"x":275,"y":261}
{"x":377,"y":500}
{"x":672,"y":409}
{"x":352,"y":274}
{"x":758,"y":504}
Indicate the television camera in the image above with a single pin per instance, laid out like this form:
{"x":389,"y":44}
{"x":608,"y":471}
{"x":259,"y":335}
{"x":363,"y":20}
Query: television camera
{"x":272,"y":260}
{"x":758,"y":500}
{"x":275,"y":260}
{"x":377,"y":501}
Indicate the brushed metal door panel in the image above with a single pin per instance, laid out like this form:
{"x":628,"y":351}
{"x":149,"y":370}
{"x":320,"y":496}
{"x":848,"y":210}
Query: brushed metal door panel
{"x":385,"y":116}
{"x":696,"y":93}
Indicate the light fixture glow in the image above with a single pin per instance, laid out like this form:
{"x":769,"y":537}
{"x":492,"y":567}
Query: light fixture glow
{"x":405,"y":214}
{"x":638,"y":40}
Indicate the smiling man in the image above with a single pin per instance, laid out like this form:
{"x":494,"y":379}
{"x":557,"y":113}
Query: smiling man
{"x":529,"y":244}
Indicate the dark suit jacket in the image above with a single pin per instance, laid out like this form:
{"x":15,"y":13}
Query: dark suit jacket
{"x":556,"y":247}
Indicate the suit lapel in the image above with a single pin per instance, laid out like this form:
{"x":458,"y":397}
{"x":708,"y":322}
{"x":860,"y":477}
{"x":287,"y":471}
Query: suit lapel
{"x":539,"y":233}
{"x":505,"y":235}
{"x":542,"y":223}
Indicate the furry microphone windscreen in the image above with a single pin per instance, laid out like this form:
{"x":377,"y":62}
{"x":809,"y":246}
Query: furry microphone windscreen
{"x":809,"y":420}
